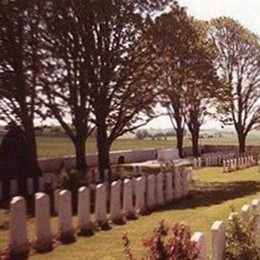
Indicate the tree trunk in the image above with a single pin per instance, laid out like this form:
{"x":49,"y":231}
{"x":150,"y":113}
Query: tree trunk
{"x":32,"y":160}
{"x":242,"y":142}
{"x":80,"y":148}
{"x":179,"y":135}
{"x":103,"y":146}
{"x":195,"y":143}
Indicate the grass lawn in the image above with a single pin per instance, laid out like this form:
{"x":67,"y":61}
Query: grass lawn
{"x":212,"y":196}
{"x":61,"y":146}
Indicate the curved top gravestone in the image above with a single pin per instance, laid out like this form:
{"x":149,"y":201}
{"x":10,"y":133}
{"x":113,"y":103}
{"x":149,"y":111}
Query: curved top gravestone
{"x":14,"y":159}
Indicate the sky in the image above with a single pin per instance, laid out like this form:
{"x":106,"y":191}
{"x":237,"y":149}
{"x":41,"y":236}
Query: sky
{"x":247,"y":12}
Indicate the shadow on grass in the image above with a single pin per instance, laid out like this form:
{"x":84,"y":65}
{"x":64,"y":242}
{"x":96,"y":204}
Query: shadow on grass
{"x":207,"y":194}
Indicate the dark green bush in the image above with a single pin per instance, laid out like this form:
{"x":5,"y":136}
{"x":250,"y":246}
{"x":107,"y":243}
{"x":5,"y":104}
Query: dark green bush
{"x":242,"y":239}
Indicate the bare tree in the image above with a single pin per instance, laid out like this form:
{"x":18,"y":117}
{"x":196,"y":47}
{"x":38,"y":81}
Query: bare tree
{"x":238,"y":65}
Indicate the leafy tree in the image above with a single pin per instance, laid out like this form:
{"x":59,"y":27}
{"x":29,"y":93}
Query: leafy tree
{"x":238,"y":65}
{"x":19,"y":68}
{"x":100,"y":69}
{"x":189,"y":71}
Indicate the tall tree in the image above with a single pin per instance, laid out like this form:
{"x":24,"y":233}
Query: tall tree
{"x":100,"y":68}
{"x":19,"y":67}
{"x":238,"y":65}
{"x":203,"y":84}
{"x":189,"y":71}
{"x":125,"y":70}
{"x":64,"y":85}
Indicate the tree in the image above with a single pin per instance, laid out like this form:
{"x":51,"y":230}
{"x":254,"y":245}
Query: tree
{"x":203,"y":85}
{"x":238,"y":65}
{"x":97,"y":47}
{"x":189,"y":72}
{"x":19,"y":68}
{"x":64,"y":83}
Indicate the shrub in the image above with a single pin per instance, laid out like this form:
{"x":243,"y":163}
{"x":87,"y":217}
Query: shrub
{"x":242,"y":239}
{"x":167,"y":243}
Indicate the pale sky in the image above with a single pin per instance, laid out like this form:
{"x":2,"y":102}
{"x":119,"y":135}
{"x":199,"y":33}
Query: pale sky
{"x":247,"y":12}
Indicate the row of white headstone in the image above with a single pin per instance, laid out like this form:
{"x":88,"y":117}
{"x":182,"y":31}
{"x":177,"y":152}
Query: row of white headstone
{"x":197,"y":163}
{"x":13,"y":184}
{"x":239,"y":163}
{"x":218,"y":236}
{"x":216,"y":159}
{"x":139,"y":195}
{"x":93,"y":177}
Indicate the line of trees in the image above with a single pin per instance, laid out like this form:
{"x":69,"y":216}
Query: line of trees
{"x":103,"y":66}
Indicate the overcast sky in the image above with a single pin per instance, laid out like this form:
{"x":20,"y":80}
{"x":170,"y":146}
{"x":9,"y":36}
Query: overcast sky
{"x":247,"y":12}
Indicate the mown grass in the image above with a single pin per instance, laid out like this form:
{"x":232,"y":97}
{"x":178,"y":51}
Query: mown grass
{"x":61,"y":146}
{"x":212,"y":196}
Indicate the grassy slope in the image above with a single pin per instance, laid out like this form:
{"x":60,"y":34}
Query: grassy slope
{"x":212,"y":196}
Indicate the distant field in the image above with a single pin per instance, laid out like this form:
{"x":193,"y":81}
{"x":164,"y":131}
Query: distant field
{"x":61,"y":146}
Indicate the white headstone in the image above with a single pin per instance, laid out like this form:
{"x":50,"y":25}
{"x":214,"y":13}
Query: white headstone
{"x":140,"y":205}
{"x":128,"y":208}
{"x":246,"y":211}
{"x":42,"y":222}
{"x":65,"y":215}
{"x":101,"y":205}
{"x":115,"y":201}
{"x":177,"y":184}
{"x":159,"y":189}
{"x":218,"y":238}
{"x":199,"y":238}
{"x":169,"y":195}
{"x":150,"y":196}
{"x":13,"y":188}
{"x":18,"y":241}
{"x":30,"y":186}
{"x":84,"y":221}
